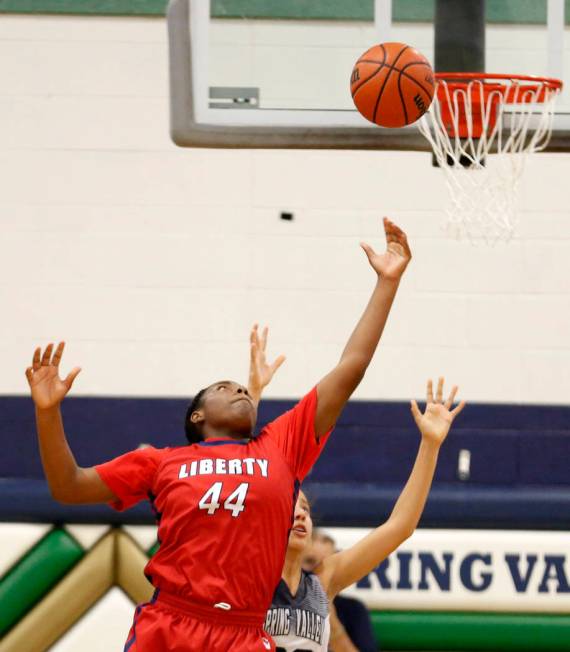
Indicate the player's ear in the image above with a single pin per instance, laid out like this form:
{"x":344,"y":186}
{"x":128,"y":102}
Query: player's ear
{"x":197,"y":417}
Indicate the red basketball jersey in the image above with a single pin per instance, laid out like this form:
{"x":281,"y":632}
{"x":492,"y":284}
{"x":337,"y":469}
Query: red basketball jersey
{"x":224,"y":508}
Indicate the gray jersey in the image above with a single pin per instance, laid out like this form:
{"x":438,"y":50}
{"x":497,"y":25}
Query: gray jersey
{"x":300,"y":623}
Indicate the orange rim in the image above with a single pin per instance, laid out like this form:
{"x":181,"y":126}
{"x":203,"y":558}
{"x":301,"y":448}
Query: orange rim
{"x":456,"y":78}
{"x":493,"y":89}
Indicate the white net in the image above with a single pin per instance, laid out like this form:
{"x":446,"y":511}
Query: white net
{"x":481,"y":133}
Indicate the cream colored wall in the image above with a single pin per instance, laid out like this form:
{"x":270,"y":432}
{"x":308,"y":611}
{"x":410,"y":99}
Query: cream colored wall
{"x":152,"y":261}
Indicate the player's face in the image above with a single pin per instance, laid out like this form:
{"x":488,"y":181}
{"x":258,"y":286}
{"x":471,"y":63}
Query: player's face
{"x":227,"y":405}
{"x":302,"y":532}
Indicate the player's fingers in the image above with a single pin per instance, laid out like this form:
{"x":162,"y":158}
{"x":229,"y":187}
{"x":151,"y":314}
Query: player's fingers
{"x":47,"y":355}
{"x":57,"y":355}
{"x":264,"y":333}
{"x":278,"y":362}
{"x":254,"y":339}
{"x":403,"y":242}
{"x":416,"y":413}
{"x":71,"y":376}
{"x":439,"y":395}
{"x":458,"y":409}
{"x":370,"y":253}
{"x":391,"y":226}
{"x":389,"y":230}
{"x":36,"y":359}
{"x":429,"y":391}
{"x":29,"y":374}
{"x":253,"y":349}
{"x":395,"y":228}
{"x":451,"y":398}
{"x":253,"y":333}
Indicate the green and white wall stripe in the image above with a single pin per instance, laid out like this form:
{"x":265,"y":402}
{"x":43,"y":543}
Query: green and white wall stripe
{"x":32,"y":577}
{"x":16,"y":538}
{"x":59,"y":588}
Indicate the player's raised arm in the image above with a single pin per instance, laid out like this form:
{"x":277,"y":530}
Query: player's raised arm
{"x":68,"y":482}
{"x":335,"y":389}
{"x":348,"y":566}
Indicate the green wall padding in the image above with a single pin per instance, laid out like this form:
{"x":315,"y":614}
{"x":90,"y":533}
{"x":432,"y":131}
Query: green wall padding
{"x":316,"y":9}
{"x":32,"y":577}
{"x":417,"y":11}
{"x":89,"y":7}
{"x":402,"y":630}
{"x":498,"y":11}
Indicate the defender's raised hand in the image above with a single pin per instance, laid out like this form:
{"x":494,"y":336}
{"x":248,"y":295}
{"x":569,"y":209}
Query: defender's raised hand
{"x":48,"y":389}
{"x":348,"y":566}
{"x":391,"y":264}
{"x":435,"y":422}
{"x":260,"y":371}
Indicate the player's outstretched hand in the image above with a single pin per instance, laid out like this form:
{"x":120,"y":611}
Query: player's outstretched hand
{"x":48,"y":389}
{"x":260,"y":371}
{"x":435,"y":422}
{"x":393,"y":262}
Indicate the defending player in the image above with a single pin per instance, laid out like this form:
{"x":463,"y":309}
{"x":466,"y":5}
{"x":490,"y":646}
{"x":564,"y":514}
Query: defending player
{"x":224,"y":504}
{"x":299,"y":614}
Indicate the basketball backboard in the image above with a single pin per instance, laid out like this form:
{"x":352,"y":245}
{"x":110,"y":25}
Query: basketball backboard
{"x":246,"y":73}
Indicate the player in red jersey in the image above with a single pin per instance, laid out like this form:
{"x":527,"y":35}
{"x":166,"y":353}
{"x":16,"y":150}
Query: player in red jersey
{"x":224,"y":504}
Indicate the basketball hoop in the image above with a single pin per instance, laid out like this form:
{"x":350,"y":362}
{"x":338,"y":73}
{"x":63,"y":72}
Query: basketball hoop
{"x":481,"y":127}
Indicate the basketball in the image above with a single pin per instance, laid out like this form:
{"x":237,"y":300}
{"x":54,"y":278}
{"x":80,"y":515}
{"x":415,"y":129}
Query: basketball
{"x":392,"y":84}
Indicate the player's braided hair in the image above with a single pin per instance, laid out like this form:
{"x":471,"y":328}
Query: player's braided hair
{"x":193,"y":434}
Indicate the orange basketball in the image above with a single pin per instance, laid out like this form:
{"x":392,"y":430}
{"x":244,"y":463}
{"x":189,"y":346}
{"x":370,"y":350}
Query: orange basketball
{"x":392,"y":84}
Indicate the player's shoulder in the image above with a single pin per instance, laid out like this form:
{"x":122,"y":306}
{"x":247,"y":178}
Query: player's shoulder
{"x":153,"y":451}
{"x":155,"y":455}
{"x":313,"y":582}
{"x":303,"y":408}
{"x":266,"y":443}
{"x":313,"y":597}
